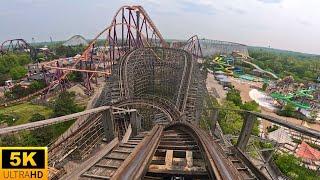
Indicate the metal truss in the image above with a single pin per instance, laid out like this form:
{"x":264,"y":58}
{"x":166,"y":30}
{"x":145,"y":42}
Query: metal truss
{"x":131,"y":28}
{"x":18,"y":46}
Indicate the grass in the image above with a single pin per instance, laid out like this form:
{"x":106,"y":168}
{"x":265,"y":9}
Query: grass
{"x":23,"y":112}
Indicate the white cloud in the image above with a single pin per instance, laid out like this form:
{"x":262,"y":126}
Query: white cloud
{"x":286,"y":24}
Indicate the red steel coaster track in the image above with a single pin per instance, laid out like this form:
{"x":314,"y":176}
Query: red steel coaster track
{"x":130,"y":28}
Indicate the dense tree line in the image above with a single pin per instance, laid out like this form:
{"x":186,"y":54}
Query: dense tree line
{"x":13,"y":66}
{"x":302,"y":68}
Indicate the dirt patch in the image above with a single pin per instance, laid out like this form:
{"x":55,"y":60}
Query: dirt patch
{"x":245,"y":87}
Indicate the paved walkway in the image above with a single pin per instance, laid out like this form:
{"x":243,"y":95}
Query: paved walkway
{"x":214,"y":88}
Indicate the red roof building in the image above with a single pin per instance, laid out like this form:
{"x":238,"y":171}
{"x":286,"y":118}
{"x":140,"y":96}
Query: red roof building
{"x":305,"y":151}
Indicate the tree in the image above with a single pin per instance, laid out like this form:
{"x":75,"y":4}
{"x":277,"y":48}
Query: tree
{"x":250,"y":106}
{"x":41,"y":136}
{"x":37,"y":117}
{"x":65,"y":104}
{"x":229,"y":120}
{"x":4,"y":78}
{"x":68,"y":51}
{"x":75,"y":76}
{"x":36,"y":85}
{"x":234,"y":96}
{"x":290,"y":166}
{"x":9,"y":140}
{"x":19,"y":91}
{"x":288,"y":110}
{"x":264,"y":86}
{"x":313,"y":115}
{"x":18,"y":72}
{"x":302,"y":67}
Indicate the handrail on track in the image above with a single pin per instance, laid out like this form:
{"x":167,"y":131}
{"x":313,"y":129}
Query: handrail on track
{"x":38,"y":124}
{"x":301,"y":129}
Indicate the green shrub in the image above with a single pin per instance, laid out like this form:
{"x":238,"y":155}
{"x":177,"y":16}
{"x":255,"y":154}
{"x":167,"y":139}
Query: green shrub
{"x":290,"y":166}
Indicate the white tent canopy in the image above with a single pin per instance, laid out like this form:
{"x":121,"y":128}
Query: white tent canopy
{"x":280,"y":135}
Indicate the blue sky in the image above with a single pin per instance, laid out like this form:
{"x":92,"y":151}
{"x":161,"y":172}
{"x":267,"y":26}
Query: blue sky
{"x":284,"y":24}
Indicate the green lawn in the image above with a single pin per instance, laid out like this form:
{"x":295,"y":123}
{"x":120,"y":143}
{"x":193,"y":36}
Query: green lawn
{"x":22,"y":112}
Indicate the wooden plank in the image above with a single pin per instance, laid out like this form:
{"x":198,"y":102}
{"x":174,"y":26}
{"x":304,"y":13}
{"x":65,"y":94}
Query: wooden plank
{"x":161,"y":169}
{"x":127,"y":135}
{"x":83,"y":167}
{"x":189,"y":158}
{"x":169,"y":158}
{"x":95,"y":176}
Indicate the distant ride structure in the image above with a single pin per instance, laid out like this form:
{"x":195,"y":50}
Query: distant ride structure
{"x":211,"y":47}
{"x":18,"y":46}
{"x":76,"y":40}
{"x":223,"y":65}
{"x":289,"y":98}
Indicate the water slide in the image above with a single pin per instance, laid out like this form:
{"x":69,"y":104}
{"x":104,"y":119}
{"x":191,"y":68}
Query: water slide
{"x":305,"y":93}
{"x":229,"y":70}
{"x":287,"y":99}
{"x":256,"y":66}
{"x":223,"y":66}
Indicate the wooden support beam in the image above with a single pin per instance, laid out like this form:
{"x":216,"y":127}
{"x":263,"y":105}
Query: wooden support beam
{"x":135,"y":124}
{"x":246,"y":131}
{"x":214,"y":118}
{"x":43,"y":123}
{"x":108,"y":124}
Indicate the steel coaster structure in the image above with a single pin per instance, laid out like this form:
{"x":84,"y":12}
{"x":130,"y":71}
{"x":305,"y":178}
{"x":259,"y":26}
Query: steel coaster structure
{"x":18,"y":46}
{"x":130,"y":28}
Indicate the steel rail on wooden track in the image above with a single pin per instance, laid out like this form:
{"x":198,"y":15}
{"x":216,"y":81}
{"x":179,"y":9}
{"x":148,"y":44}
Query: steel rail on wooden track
{"x":136,"y":165}
{"x":218,"y":166}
